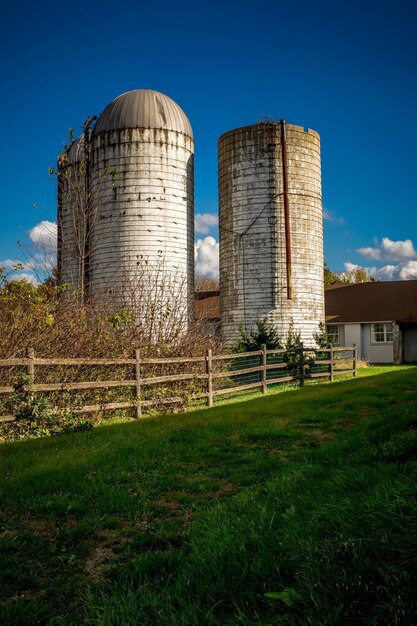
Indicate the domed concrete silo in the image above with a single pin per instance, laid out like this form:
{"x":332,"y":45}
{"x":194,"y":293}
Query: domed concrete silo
{"x":72,"y":214}
{"x":271,"y":231}
{"x":143,"y":201}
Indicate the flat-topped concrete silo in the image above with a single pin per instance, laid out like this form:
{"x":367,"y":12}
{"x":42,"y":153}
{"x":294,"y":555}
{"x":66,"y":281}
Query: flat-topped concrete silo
{"x":271,"y":232}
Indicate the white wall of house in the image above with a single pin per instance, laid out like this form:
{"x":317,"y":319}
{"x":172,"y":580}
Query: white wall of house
{"x":360,"y":334}
{"x":375,"y":352}
{"x":353,"y":335}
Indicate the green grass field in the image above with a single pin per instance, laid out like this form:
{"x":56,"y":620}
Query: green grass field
{"x":309,"y":495}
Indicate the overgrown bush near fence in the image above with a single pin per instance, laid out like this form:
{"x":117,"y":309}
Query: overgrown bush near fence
{"x":41,"y":395}
{"x":49,"y":321}
{"x":45,"y":387}
{"x":52,"y":320}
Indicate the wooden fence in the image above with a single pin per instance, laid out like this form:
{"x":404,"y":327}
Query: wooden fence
{"x":216,"y":374}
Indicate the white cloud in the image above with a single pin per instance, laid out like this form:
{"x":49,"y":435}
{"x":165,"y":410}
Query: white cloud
{"x":330,"y":217}
{"x":29,"y":278}
{"x":9,"y":264}
{"x":24,"y":271}
{"x":206,"y":255}
{"x":400,"y":258}
{"x":387,"y":272}
{"x":43,"y":262}
{"x":39,"y":261}
{"x":204,"y":222}
{"x":401,"y":271}
{"x":398,"y":250}
{"x":408,"y":271}
{"x":349,"y":267}
{"x":371,"y":253}
{"x":389,"y":250}
{"x":44,"y":235}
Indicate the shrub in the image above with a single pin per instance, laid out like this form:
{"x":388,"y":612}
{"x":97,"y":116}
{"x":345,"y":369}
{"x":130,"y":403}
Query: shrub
{"x":36,"y":417}
{"x":293,"y":353}
{"x":265,"y":333}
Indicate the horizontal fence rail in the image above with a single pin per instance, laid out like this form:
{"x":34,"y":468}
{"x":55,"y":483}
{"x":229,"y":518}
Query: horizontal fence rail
{"x":213,"y":375}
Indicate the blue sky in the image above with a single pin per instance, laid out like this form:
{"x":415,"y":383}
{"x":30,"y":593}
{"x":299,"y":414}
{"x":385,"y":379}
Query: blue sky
{"x":345,"y":69}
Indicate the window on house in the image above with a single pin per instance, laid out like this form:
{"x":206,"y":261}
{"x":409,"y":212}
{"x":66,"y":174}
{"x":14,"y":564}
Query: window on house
{"x":381,"y":332}
{"x":332,"y":331}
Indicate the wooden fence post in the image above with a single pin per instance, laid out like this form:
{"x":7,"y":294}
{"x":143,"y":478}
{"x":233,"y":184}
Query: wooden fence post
{"x":209,"y":372}
{"x":30,"y":370}
{"x":355,"y":361}
{"x":263,"y":372}
{"x":138,"y":385}
{"x":331,"y":365}
{"x":302,"y":373}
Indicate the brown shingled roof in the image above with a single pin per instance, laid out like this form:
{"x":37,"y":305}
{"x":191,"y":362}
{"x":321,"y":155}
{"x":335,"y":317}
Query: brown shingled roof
{"x":372,"y":302}
{"x":207,"y":305}
{"x":384,"y":301}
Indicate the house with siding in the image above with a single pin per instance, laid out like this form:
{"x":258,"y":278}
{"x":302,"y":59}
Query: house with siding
{"x":380,"y":318}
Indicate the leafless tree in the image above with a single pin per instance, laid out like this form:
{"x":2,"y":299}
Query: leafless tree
{"x":78,"y":211}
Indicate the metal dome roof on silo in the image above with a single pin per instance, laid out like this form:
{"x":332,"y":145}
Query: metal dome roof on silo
{"x":76,"y":150}
{"x":143,"y":108}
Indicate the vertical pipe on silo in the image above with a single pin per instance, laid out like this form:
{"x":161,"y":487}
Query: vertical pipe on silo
{"x":286,"y":210}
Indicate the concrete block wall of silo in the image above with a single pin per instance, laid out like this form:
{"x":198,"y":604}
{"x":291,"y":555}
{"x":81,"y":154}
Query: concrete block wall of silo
{"x":72,"y":217}
{"x":143,"y":201}
{"x":253,"y":275}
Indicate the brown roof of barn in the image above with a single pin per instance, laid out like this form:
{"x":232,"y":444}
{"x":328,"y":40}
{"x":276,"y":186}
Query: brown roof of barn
{"x":207,"y":305}
{"x":385,"y":301}
{"x":371,"y":302}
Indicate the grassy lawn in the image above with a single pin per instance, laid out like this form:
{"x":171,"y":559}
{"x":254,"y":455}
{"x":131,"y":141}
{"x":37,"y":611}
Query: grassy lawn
{"x":308,"y":494}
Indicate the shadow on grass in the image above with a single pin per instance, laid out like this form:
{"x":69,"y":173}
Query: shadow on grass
{"x":367,"y":389}
{"x":192,"y":518}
